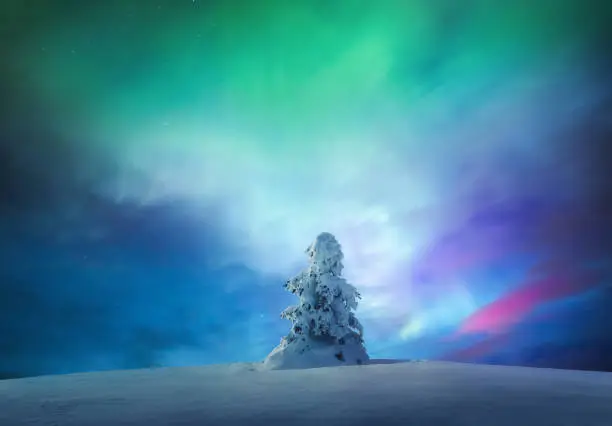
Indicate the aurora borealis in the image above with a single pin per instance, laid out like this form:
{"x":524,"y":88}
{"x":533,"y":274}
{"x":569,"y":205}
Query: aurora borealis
{"x":165,"y":163}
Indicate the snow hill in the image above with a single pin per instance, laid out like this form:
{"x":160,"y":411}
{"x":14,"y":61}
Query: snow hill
{"x":385,"y":393}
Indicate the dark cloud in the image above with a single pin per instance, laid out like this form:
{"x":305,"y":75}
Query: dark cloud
{"x":579,"y":232}
{"x":40,"y":167}
{"x":122,"y":302}
{"x":90,"y":282}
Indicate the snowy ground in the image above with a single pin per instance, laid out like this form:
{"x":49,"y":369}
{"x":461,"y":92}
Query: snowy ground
{"x":406,"y":394}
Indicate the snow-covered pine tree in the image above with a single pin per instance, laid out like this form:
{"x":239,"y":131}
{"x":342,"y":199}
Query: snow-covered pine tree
{"x":324,"y":328}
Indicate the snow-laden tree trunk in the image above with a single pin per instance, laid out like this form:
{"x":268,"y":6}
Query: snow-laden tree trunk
{"x":324,"y":328}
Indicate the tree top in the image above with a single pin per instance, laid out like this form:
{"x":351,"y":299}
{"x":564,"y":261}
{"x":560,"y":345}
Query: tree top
{"x":326,"y":252}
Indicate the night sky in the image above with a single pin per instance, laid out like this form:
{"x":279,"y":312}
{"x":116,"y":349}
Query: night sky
{"x":164,"y":164}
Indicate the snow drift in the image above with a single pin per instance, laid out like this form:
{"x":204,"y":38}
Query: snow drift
{"x":406,"y":394}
